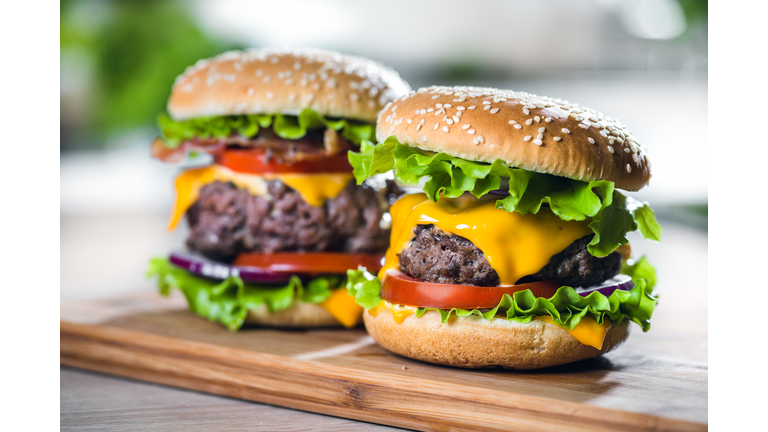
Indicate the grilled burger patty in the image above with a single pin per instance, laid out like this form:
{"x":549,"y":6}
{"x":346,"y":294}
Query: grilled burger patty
{"x":435,"y":256}
{"x":226,"y":221}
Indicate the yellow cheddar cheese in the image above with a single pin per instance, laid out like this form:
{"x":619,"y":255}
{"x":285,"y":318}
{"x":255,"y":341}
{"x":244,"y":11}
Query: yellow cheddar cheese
{"x":343,"y":307}
{"x":515,"y":245}
{"x":587,"y":331}
{"x":314,"y":188}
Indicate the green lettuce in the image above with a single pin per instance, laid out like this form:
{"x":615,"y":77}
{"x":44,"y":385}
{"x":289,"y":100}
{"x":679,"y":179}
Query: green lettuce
{"x":227,"y":302}
{"x":566,"y":306}
{"x":286,"y":126}
{"x":613,"y":214}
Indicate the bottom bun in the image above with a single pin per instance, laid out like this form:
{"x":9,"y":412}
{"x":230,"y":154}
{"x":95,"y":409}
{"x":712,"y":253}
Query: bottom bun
{"x":474,"y":342}
{"x":298,"y":314}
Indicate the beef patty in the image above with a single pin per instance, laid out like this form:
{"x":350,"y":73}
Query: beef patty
{"x":435,"y":256}
{"x":226,"y":221}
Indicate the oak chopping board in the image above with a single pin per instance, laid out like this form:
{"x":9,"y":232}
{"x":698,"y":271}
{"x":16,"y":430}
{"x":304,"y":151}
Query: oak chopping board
{"x":655,"y":381}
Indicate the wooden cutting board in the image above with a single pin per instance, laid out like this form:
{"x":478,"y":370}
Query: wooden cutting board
{"x":656,"y":381}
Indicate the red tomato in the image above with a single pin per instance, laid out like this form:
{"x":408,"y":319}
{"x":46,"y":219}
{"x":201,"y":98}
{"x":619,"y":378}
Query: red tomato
{"x":252,"y":161}
{"x":310,"y":262}
{"x":404,"y":290}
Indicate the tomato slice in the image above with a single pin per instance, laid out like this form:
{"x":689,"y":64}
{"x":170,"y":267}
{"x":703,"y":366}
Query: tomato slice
{"x":253,"y":161}
{"x":310,"y":263}
{"x":405,"y":290}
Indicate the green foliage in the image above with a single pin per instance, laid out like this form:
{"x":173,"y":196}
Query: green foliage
{"x":136,"y":50}
{"x":613,"y":214}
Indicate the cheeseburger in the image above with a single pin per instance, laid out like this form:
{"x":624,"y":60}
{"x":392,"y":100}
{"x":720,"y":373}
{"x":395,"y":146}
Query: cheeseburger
{"x":276,"y":219}
{"x":515,"y":254}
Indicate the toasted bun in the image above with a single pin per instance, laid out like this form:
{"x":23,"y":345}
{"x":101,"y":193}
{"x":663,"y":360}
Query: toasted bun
{"x":474,"y":342}
{"x":531,"y":132}
{"x":267,"y":81}
{"x":298,"y":314}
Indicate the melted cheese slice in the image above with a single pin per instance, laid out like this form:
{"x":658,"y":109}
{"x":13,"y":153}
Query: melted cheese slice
{"x":343,"y":307}
{"x":314,"y":188}
{"x":515,"y":245}
{"x":587,"y":331}
{"x":398,"y":313}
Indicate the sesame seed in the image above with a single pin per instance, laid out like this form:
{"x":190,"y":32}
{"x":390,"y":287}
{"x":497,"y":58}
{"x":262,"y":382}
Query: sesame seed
{"x":527,"y":138}
{"x":525,"y":110}
{"x":472,"y":107}
{"x":437,"y":125}
{"x":486,"y":102}
{"x":537,"y":119}
{"x":266,"y":79}
{"x":250,"y":91}
{"x":270,"y":95}
{"x":297,"y":65}
{"x":591,"y":140}
{"x":435,"y":96}
{"x":423,"y":111}
{"x":445,"y":128}
{"x":538,"y":142}
{"x":541,"y":129}
{"x":409,"y":121}
{"x":629,"y":168}
{"x":583,"y":126}
{"x":565,"y":130}
{"x":539,"y":136}
{"x":529,"y":122}
{"x":610,"y":149}
{"x":471,"y":131}
{"x":259,"y":72}
{"x":449,"y":121}
{"x":512,"y":122}
{"x":494,"y":111}
{"x":418,"y":127}
{"x":430,"y":109}
{"x":487,"y":107}
{"x":447,"y":105}
{"x":548,"y":119}
{"x":626,"y":150}
{"x":480,"y":138}
{"x":456,"y":119}
{"x":439,"y":105}
{"x":289,"y":81}
{"x":475,"y":141}
{"x":460,"y":108}
{"x":465,"y":127}
{"x":634,"y":157}
{"x":517,"y":126}
{"x":424,"y":138}
{"x":557,"y":138}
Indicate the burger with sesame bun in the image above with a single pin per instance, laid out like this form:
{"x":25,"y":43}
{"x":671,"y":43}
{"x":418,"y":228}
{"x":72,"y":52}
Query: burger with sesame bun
{"x":275,"y":218}
{"x":515,"y":254}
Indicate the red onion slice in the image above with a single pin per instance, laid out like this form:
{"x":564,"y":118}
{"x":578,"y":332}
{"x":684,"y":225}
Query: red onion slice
{"x":619,"y":282}
{"x":203,"y":266}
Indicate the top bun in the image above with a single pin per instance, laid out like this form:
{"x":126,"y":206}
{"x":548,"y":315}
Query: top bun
{"x":286,"y":81}
{"x":535,"y":133}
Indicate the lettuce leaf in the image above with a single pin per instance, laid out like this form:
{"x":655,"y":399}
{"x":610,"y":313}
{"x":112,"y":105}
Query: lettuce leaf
{"x":227,"y":302}
{"x":613,"y":214}
{"x":566,"y":306}
{"x":286,"y":126}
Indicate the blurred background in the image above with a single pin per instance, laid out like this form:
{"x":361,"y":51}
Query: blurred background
{"x":641,"y":61}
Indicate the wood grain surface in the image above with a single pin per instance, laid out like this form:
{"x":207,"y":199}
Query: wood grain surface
{"x":345,"y":374}
{"x":96,"y":402}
